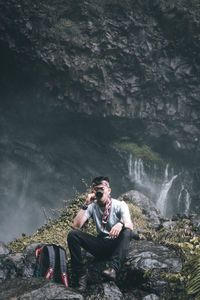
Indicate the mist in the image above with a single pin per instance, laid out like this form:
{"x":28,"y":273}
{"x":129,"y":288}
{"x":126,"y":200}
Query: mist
{"x":47,"y":157}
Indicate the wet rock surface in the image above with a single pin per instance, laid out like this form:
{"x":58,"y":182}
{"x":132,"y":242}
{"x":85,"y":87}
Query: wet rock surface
{"x":123,"y":65}
{"x":144,"y":256}
{"x":148,"y":208}
{"x":35,"y":289}
{"x":196,"y":223}
{"x":18,"y":264}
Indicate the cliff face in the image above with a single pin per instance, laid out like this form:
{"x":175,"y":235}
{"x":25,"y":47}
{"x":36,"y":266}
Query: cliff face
{"x":120,"y":58}
{"x":128,"y":70}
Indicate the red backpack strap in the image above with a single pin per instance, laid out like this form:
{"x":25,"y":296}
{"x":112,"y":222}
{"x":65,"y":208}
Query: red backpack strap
{"x":63,"y":267}
{"x":51,"y":268}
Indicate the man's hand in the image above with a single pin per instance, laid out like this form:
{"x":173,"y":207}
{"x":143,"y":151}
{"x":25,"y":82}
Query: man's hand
{"x":81,"y":218}
{"x":115,"y":230}
{"x":90,"y":198}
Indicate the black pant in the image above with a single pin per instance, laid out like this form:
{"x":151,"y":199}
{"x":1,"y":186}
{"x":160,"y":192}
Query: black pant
{"x":114,"y":249}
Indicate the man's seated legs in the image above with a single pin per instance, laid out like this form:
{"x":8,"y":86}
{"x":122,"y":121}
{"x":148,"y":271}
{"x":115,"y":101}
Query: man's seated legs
{"x":119,"y":254}
{"x":97,"y":246}
{"x":114,"y":249}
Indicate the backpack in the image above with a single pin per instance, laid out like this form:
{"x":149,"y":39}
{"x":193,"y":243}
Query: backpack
{"x":51,"y":263}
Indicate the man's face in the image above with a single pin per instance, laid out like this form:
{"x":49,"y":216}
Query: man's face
{"x":106,"y":192}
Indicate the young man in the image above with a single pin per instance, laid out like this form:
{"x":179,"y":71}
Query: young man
{"x":113,"y":225}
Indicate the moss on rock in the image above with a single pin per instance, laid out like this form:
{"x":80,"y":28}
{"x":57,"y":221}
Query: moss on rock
{"x":56,"y":231}
{"x":184,"y":240}
{"x":144,"y":152}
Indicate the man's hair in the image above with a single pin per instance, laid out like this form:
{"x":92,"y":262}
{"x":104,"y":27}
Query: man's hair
{"x":98,"y":180}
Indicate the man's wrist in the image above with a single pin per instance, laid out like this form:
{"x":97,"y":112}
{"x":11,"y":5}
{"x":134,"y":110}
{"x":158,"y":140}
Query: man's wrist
{"x":122,"y":223}
{"x":84,"y":207}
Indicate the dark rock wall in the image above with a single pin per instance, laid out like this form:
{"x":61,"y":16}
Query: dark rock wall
{"x":121,"y":58}
{"x":135,"y":65}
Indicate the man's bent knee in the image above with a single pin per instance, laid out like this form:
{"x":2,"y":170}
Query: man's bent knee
{"x":126,"y":233}
{"x":72,"y":234}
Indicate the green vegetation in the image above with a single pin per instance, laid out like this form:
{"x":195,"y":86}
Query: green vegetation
{"x":55,"y":231}
{"x":181,"y":238}
{"x":186,"y":243}
{"x":137,"y":217}
{"x":144,"y":152}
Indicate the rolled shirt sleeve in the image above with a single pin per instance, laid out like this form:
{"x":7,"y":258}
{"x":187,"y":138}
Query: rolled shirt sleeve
{"x":89,"y":211}
{"x":125,"y":214}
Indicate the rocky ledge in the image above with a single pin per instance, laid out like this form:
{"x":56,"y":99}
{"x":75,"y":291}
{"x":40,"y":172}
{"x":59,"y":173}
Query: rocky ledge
{"x":156,"y":266}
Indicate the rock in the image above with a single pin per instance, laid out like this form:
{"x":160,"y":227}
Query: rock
{"x":196,"y":223}
{"x":146,"y":255}
{"x":148,"y":207}
{"x":169,"y":224}
{"x":135,"y":234}
{"x":128,"y":82}
{"x":29,"y":259}
{"x":150,"y":80}
{"x":145,"y":262}
{"x":36,"y":289}
{"x":10,"y":266}
{"x":106,"y":290}
{"x":151,"y":297}
{"x":3,"y":249}
{"x":18,"y":264}
{"x":112,"y":292}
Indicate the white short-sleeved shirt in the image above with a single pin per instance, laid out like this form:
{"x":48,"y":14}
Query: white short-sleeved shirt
{"x":119,"y":212}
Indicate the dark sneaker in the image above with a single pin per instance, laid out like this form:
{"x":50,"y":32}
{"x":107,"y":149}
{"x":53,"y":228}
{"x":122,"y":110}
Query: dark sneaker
{"x":110,"y":274}
{"x":82,"y":283}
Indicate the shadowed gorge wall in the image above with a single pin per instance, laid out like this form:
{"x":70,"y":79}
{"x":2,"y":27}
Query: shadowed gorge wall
{"x":80,"y":76}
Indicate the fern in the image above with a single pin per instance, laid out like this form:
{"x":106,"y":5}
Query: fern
{"x":193,"y":283}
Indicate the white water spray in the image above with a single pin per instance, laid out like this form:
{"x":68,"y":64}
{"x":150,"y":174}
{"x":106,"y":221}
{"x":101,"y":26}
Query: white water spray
{"x":136,"y":170}
{"x":152,"y":184}
{"x":162,"y":200}
{"x":184,"y":200}
{"x":187,"y":203}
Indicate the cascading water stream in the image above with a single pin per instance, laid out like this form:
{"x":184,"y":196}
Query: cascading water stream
{"x":136,"y":170}
{"x":184,"y":200}
{"x":187,"y":202}
{"x":151,"y":183}
{"x":162,"y":200}
{"x":180,"y":196}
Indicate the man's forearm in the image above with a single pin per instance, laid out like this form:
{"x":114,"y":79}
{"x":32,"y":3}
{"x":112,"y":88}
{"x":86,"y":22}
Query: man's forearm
{"x":128,"y":225}
{"x":79,"y":220}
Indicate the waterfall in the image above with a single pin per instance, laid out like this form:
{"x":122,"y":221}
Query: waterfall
{"x":184,"y":200}
{"x":187,"y":202}
{"x":162,"y":200}
{"x":166,"y":173}
{"x":180,"y":196}
{"x":150,"y":183}
{"x":136,"y":170}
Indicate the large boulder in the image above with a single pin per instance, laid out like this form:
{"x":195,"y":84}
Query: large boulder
{"x":149,"y":260}
{"x":147,"y":206}
{"x":104,"y":290}
{"x":21,"y":264}
{"x":146,"y":262}
{"x":144,"y":258}
{"x":36,"y":289}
